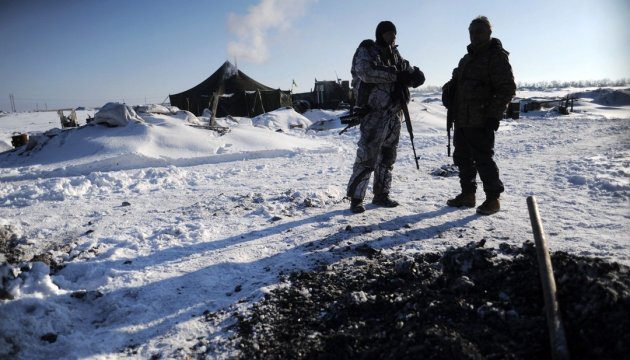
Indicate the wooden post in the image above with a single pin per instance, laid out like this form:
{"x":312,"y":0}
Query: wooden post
{"x":559,"y":348}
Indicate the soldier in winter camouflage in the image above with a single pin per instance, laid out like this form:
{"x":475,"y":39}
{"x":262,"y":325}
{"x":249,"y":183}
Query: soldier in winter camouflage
{"x":381,"y":78}
{"x":478,"y":93}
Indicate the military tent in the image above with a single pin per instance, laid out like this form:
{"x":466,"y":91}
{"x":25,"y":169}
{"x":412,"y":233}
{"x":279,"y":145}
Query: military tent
{"x":239,"y":95}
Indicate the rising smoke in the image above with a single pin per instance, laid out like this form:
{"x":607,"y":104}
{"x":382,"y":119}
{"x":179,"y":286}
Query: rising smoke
{"x":253,"y":31}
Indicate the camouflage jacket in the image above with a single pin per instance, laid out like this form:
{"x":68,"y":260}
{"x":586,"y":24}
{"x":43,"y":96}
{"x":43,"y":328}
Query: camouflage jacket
{"x":374,"y":76}
{"x":484,"y":85}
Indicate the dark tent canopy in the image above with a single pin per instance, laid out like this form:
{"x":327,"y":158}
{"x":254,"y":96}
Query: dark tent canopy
{"x":239,"y":95}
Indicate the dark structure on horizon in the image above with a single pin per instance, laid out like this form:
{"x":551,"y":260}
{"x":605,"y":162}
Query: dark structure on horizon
{"x":327,"y":94}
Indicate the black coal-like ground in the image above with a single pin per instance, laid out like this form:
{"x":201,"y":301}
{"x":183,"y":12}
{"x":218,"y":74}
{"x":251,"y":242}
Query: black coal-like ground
{"x":466,"y":303}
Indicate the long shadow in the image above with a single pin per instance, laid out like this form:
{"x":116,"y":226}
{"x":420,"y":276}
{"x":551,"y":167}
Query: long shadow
{"x":293,"y":260}
{"x":125,"y":309}
{"x":424,"y":233}
{"x":176,"y":252}
{"x":137,"y":315}
{"x":399,"y":222}
{"x":173,"y":253}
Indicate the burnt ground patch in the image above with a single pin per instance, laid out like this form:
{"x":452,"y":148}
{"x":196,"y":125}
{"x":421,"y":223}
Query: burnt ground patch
{"x":470,"y":302}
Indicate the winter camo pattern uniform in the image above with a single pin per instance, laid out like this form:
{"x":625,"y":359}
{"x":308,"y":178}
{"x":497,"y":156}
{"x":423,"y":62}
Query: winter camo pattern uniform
{"x":380,"y":128}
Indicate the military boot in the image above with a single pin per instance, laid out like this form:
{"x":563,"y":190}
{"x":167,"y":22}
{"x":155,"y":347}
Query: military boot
{"x":490,"y":206}
{"x":462,"y":200}
{"x":356,"y":206}
{"x":384,"y":200}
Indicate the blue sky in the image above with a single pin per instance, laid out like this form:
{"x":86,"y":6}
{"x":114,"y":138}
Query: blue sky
{"x":68,"y":53}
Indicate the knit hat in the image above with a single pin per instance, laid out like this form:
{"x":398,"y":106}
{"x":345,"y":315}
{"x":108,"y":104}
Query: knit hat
{"x":382,"y":28}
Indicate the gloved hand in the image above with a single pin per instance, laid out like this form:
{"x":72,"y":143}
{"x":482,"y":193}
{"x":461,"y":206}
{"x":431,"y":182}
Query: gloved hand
{"x":404,"y":78}
{"x":417,"y":77}
{"x":492,"y":123}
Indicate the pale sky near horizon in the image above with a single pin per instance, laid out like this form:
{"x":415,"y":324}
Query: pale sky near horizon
{"x":70,"y":53}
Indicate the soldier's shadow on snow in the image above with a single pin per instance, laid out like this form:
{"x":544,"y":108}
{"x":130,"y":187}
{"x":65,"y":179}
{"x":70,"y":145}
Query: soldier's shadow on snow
{"x":322,"y":220}
{"x":422,"y":233}
{"x":156,"y":308}
{"x":406,"y":228}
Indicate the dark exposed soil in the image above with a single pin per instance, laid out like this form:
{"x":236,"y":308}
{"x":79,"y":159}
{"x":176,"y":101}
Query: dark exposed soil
{"x":466,"y":303}
{"x":8,"y":245}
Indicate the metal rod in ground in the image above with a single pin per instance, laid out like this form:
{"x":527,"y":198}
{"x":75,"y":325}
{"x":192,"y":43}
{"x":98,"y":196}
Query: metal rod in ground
{"x":559,"y":348}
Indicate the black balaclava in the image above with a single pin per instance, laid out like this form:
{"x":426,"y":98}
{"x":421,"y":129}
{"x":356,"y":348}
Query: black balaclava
{"x":383,"y":27}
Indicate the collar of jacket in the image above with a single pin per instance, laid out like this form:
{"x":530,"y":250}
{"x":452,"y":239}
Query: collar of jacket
{"x":388,"y":53}
{"x":492,"y":44}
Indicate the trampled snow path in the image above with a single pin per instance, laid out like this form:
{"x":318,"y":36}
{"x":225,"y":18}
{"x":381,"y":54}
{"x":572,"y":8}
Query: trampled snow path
{"x":205,"y":237}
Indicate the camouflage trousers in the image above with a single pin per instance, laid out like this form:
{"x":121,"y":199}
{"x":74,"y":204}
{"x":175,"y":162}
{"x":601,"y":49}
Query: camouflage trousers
{"x":377,"y":150}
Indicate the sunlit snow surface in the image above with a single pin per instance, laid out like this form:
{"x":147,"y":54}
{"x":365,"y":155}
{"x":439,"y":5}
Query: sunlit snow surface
{"x":159,"y":221}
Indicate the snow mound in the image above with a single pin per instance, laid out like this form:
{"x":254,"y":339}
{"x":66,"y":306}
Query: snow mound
{"x":116,"y":114}
{"x":607,"y":97}
{"x":315,"y":115}
{"x":156,"y":109}
{"x":282,"y":119}
{"x":188,"y":117}
{"x":325,"y":119}
{"x":326,"y":124}
{"x":155,"y":139}
{"x":614,"y":98}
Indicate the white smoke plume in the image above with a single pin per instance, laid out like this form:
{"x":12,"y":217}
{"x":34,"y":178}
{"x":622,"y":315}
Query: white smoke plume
{"x":230,"y":71}
{"x":254,"y":29}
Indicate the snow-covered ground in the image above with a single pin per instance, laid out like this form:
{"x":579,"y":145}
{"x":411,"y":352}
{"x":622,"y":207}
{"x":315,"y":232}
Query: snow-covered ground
{"x":157,"y":225}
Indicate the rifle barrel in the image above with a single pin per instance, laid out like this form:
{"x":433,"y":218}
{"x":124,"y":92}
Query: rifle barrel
{"x":410,"y":129}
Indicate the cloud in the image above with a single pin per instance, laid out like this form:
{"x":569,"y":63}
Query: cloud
{"x":252,"y":31}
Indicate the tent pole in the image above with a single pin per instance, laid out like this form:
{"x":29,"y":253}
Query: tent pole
{"x":262,"y":105}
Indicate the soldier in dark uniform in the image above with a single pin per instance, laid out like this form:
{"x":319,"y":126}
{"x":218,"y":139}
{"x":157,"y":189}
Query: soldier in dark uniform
{"x":479,"y":91}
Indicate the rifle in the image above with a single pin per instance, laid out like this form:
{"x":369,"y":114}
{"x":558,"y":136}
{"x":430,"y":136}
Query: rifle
{"x":352,"y":118}
{"x":448,"y":100}
{"x":410,"y":130}
{"x":404,"y":96}
{"x":449,"y":126}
